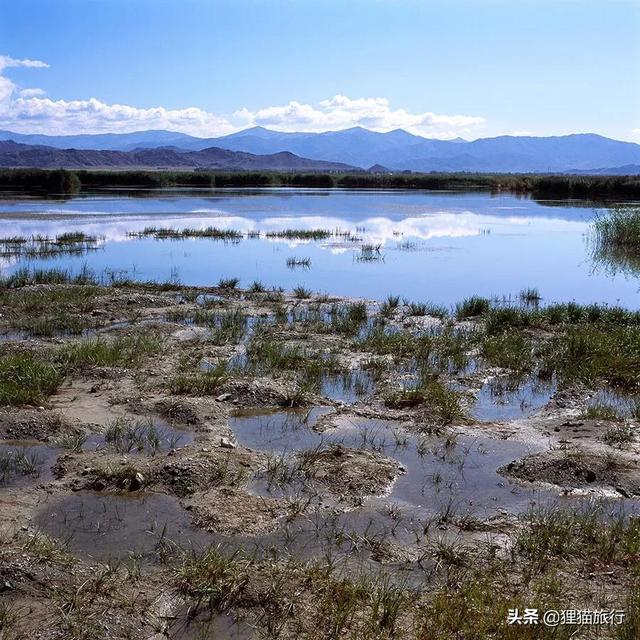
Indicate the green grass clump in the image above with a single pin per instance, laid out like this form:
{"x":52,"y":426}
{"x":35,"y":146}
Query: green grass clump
{"x":591,"y":530}
{"x":472,"y":307}
{"x":427,"y":309}
{"x":619,"y":226}
{"x":509,"y":350}
{"x":389,"y":306}
{"x":380,"y":341}
{"x":213,"y":578}
{"x":199,"y":383}
{"x":300,"y":234}
{"x":27,"y":379}
{"x":615,"y":239}
{"x":228,"y":283}
{"x":257,"y":287}
{"x":125,"y":351}
{"x":440,"y":402}
{"x":348,"y":318}
{"x":602,"y":411}
{"x":267,"y":355}
{"x":530,"y":296}
{"x":72,"y":237}
{"x":301,"y":292}
{"x":163,"y":233}
{"x":27,"y":276}
{"x":598,"y":353}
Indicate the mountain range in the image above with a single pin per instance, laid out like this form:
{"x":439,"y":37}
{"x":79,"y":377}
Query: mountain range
{"x":396,"y":150}
{"x":14,"y":154}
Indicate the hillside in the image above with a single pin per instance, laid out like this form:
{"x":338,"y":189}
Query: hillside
{"x":13,"y":154}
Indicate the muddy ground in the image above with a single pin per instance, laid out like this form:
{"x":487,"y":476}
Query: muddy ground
{"x":211,"y":486}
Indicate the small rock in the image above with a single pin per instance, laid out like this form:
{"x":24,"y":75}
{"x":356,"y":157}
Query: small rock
{"x":225,"y":443}
{"x":136,"y":482}
{"x":222,"y":397}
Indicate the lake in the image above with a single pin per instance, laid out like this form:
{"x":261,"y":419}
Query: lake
{"x":423,"y":246}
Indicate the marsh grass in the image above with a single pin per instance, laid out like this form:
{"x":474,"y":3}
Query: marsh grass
{"x":29,"y":276}
{"x":509,"y":350}
{"x":228,"y":283}
{"x":602,"y":411}
{"x":618,"y":227}
{"x":427,"y":309}
{"x":199,"y":383}
{"x":267,"y":355}
{"x":388,"y":307}
{"x":619,"y":435}
{"x":124,"y":351}
{"x":370,"y":253}
{"x":294,"y":261}
{"x":257,"y":287}
{"x":597,"y":353}
{"x":38,"y":246}
{"x":225,"y":327}
{"x":348,"y":318}
{"x":300,"y":234}
{"x":214,"y":578}
{"x":301,"y":292}
{"x":164,"y":233}
{"x":126,"y":435}
{"x":591,"y":531}
{"x":530,"y":296}
{"x":472,"y":307}
{"x":26,"y":378}
{"x":73,"y":441}
{"x":20,"y":462}
{"x":440,"y":402}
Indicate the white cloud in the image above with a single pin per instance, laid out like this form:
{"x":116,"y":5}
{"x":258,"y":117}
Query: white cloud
{"x":635,"y":132}
{"x":341,"y":112}
{"x":28,"y":110}
{"x":32,"y":93}
{"x":36,"y":114}
{"x":7,"y":61}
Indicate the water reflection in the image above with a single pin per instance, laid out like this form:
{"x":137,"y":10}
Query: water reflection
{"x":433,"y":246}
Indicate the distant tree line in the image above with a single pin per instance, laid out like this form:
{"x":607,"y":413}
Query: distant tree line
{"x":64,"y":183}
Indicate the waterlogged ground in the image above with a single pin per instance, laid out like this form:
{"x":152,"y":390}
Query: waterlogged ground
{"x":178,"y":462}
{"x":434,"y":246}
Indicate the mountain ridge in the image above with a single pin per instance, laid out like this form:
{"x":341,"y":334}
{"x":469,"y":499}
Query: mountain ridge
{"x":18,"y":155}
{"x":397,"y":150}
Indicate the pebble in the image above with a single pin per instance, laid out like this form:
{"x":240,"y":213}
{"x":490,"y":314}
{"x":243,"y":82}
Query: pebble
{"x":225,"y":443}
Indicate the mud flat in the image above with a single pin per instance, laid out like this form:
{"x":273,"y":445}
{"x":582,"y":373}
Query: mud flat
{"x":180,"y":462}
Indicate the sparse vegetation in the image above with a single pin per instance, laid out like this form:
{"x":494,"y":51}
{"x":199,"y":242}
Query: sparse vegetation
{"x":26,"y":378}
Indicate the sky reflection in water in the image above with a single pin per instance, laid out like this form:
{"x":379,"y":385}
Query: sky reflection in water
{"x":434,"y":246}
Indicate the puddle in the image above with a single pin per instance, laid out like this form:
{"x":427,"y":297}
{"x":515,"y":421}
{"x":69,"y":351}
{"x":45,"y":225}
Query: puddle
{"x":207,"y":625}
{"x":24,"y":461}
{"x":616,"y":404}
{"x":117,"y":525}
{"x":460,"y":471}
{"x":146,"y":437}
{"x":349,"y":387}
{"x":500,"y":400}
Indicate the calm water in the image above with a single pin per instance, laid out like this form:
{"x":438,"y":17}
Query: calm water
{"x":434,"y":246}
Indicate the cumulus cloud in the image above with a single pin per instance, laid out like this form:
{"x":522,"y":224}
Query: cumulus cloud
{"x":341,"y":112}
{"x":37,"y":114}
{"x":29,"y":110}
{"x":8,"y":61}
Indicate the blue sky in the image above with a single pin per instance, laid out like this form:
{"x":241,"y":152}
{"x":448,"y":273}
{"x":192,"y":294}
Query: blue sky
{"x":474,"y":68}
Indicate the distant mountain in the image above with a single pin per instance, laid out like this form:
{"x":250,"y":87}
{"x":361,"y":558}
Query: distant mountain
{"x":13,"y":154}
{"x":626,"y":170}
{"x":396,"y":150}
{"x":108,"y":141}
